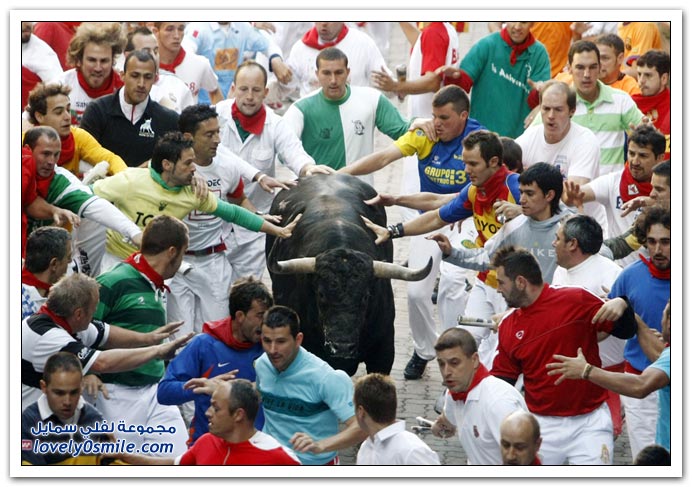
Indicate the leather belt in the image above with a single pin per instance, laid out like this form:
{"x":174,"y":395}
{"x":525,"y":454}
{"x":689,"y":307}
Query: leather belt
{"x":208,"y":251}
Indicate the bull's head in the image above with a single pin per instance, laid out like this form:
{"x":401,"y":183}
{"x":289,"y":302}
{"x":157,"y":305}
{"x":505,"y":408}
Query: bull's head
{"x":344,"y":283}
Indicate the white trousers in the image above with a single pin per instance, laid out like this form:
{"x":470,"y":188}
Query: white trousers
{"x":138,"y":406}
{"x":586,"y":439}
{"x":201,"y":293}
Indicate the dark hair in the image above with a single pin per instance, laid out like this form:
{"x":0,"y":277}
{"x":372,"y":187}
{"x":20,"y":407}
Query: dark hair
{"x":71,"y":292}
{"x":457,"y":337}
{"x":43,"y":245}
{"x":251,"y":64}
{"x":611,"y":40}
{"x":143,"y":57}
{"x":279,"y":316}
{"x":512,"y":155}
{"x":652,"y":455}
{"x":331,"y":54}
{"x":170,"y":146}
{"x":488,"y":142}
{"x":583,"y":46}
{"x":562,"y":87}
{"x":38,"y":97}
{"x":547,"y":177}
{"x":454,"y":95}
{"x":61,"y":362}
{"x":653,"y":215}
{"x":139,"y":30}
{"x":662,"y":169}
{"x":586,"y":231}
{"x":244,"y":395}
{"x":162,"y":232}
{"x":649,"y":136}
{"x":655,"y":59}
{"x":377,"y":394}
{"x":518,"y":262}
{"x":246,"y":290}
{"x":192,"y":116}
{"x":32,"y":135}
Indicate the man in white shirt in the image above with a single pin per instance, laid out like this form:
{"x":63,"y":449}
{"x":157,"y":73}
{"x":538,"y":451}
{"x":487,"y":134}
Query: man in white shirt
{"x":577,"y":243}
{"x":476,"y":402}
{"x":388,"y":442}
{"x":363,"y":54}
{"x":645,"y":148}
{"x":257,"y":135}
{"x":570,"y":147}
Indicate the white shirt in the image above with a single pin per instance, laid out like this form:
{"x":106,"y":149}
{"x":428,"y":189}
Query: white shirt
{"x":478,"y":418}
{"x":421,"y":105}
{"x":260,"y":151}
{"x":222,"y":177}
{"x":595,"y":273}
{"x":576,"y":155}
{"x":394,"y":445}
{"x":197,"y":73}
{"x":363,"y":58}
{"x":606,"y":189}
{"x":171,"y":92}
{"x":39,"y":58}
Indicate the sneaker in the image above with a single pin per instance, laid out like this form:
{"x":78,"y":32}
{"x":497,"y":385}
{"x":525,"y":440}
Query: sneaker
{"x":415,"y":367}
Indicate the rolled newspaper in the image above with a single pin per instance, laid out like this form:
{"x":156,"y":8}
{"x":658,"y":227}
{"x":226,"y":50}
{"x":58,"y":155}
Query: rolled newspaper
{"x":472,"y":321}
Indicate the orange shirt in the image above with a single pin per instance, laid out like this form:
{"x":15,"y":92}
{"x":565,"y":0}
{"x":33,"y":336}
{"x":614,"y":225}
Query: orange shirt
{"x":556,"y":37}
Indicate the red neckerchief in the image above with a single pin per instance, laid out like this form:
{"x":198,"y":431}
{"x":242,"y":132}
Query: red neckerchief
{"x":139,"y":262}
{"x":67,"y":150}
{"x":490,"y":191}
{"x":312,"y":38}
{"x":657,"y":273}
{"x":517,"y":49}
{"x":176,"y":62}
{"x":656,"y":107}
{"x":481,"y":373}
{"x":59,"y":320}
{"x":630,"y":188}
{"x":222,"y":330}
{"x":32,"y":280}
{"x":536,"y":461}
{"x":109,"y":87}
{"x":253,"y":123}
{"x":42,"y":184}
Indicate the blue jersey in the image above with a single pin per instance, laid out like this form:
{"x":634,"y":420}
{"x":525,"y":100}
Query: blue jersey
{"x":309,"y":396}
{"x":205,"y":356}
{"x":648,"y":297}
{"x":440,"y":165}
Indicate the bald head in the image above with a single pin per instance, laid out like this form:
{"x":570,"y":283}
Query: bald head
{"x":520,"y":438}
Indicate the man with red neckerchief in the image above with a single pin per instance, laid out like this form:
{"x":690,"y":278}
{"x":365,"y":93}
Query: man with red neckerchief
{"x":192,"y":68}
{"x":257,"y":136}
{"x":646,"y":283}
{"x":491,"y":181}
{"x":645,"y":148}
{"x":476,"y":402}
{"x":92,"y":52}
{"x":363,"y":55}
{"x":133,"y":296}
{"x":503,"y":66}
{"x":225,"y":347}
{"x":49,"y":251}
{"x":653,"y":73}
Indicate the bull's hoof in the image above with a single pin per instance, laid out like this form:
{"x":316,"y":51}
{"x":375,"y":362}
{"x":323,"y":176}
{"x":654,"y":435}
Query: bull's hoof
{"x":415,"y":367}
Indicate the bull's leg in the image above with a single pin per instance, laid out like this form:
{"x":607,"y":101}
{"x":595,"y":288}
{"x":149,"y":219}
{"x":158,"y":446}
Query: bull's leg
{"x":380,"y":356}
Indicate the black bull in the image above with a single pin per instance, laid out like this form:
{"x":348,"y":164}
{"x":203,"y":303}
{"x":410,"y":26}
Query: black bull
{"x":334,"y":276}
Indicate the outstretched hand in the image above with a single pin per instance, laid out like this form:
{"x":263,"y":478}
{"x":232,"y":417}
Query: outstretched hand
{"x":567,"y":367}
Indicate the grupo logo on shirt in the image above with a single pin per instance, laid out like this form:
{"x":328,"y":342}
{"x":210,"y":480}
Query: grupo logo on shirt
{"x":520,"y":334}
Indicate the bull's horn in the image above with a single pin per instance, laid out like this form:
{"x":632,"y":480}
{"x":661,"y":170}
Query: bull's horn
{"x":385,"y":270}
{"x":304,"y":265}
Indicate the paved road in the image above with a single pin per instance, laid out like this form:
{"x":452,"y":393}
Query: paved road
{"x":417,"y":398}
